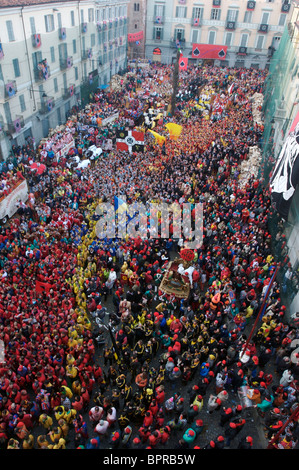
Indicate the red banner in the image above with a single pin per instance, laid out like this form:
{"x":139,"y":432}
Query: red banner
{"x":42,"y":286}
{"x":208,"y":51}
{"x":183,"y":63}
{"x":133,"y":37}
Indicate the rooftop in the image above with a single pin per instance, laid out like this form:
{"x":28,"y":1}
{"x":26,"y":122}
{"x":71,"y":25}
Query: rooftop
{"x":21,"y":3}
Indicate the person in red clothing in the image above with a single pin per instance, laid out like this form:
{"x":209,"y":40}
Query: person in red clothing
{"x":160,"y":394}
{"x":154,"y":439}
{"x":148,"y":419}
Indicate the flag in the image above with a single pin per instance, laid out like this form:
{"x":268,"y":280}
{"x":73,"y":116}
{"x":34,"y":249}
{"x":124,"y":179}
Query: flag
{"x":120,"y":206}
{"x":183,"y":63}
{"x":40,"y":287}
{"x":231,"y":88}
{"x":174,"y":129}
{"x":159,"y":138}
{"x":130,"y":141}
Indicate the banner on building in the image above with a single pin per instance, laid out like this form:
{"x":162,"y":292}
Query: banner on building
{"x":133,"y":37}
{"x":285,"y":175}
{"x":208,"y":51}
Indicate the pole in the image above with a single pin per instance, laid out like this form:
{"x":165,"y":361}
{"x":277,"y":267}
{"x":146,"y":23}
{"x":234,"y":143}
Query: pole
{"x":262,"y":307}
{"x":175,"y":82}
{"x":294,"y":415}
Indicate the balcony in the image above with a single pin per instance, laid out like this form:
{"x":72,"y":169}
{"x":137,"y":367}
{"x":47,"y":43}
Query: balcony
{"x":250,"y":5}
{"x":230,"y":25}
{"x":68,"y":92}
{"x":87,"y":54}
{"x":176,"y":42}
{"x":285,"y":7}
{"x":159,"y":19}
{"x":36,"y":40}
{"x":196,"y":21}
{"x":242,"y":50}
{"x":66,"y":63}
{"x":62,"y":33}
{"x":16,"y":125}
{"x":10,"y":89}
{"x":263,"y":28}
{"x":42,"y":71}
{"x":47,"y":105}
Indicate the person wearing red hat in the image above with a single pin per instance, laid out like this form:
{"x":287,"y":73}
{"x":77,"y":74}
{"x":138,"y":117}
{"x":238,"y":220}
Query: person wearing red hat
{"x":245,"y":443}
{"x":226,"y":415}
{"x":214,"y":403}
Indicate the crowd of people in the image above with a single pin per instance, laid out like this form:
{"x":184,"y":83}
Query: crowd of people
{"x":163,"y":359}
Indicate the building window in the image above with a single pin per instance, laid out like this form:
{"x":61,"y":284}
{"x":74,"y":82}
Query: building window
{"x":59,"y":20}
{"x":244,"y":40}
{"x":7,"y":112}
{"x":228,"y":39}
{"x":76,"y":73}
{"x":92,"y":40}
{"x":55,"y":85}
{"x":265,"y":17}
{"x":90,"y":15}
{"x":179,"y":34}
{"x":275,"y":41}
{"x":212,"y":37}
{"x":282,"y":19}
{"x":22,"y":103}
{"x":197,"y":13}
{"x":49,"y":23}
{"x":158,"y":33}
{"x":232,"y":15}
{"x":82,"y":16}
{"x":181,"y":12}
{"x":59,"y":116}
{"x":248,"y":17}
{"x":74,"y":46}
{"x":195,"y":36}
{"x":16,"y":67}
{"x":32,"y":25}
{"x":10,"y":32}
{"x":260,"y":42}
{"x":72,"y":18}
{"x":136,"y":6}
{"x":52,"y":52}
{"x":215,"y":14}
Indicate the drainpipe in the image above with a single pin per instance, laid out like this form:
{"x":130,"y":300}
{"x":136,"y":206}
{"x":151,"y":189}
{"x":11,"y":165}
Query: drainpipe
{"x":28,"y":61}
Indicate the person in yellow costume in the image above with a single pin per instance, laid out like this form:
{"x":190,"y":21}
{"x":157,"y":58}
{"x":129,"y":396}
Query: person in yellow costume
{"x":71,"y":372}
{"x":67,"y":391}
{"x":28,"y":442}
{"x":42,"y":442}
{"x":46,"y":421}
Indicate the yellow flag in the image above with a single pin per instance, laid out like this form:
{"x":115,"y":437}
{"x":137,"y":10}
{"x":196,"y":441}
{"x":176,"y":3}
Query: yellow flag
{"x":159,"y":138}
{"x":174,"y":129}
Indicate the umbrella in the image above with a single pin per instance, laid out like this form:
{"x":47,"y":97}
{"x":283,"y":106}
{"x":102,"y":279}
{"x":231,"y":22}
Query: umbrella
{"x":39,"y":167}
{"x":187,"y":254}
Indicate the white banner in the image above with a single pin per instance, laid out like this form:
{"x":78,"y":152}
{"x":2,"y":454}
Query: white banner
{"x":65,"y":150}
{"x":8,"y":206}
{"x":110,"y":119}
